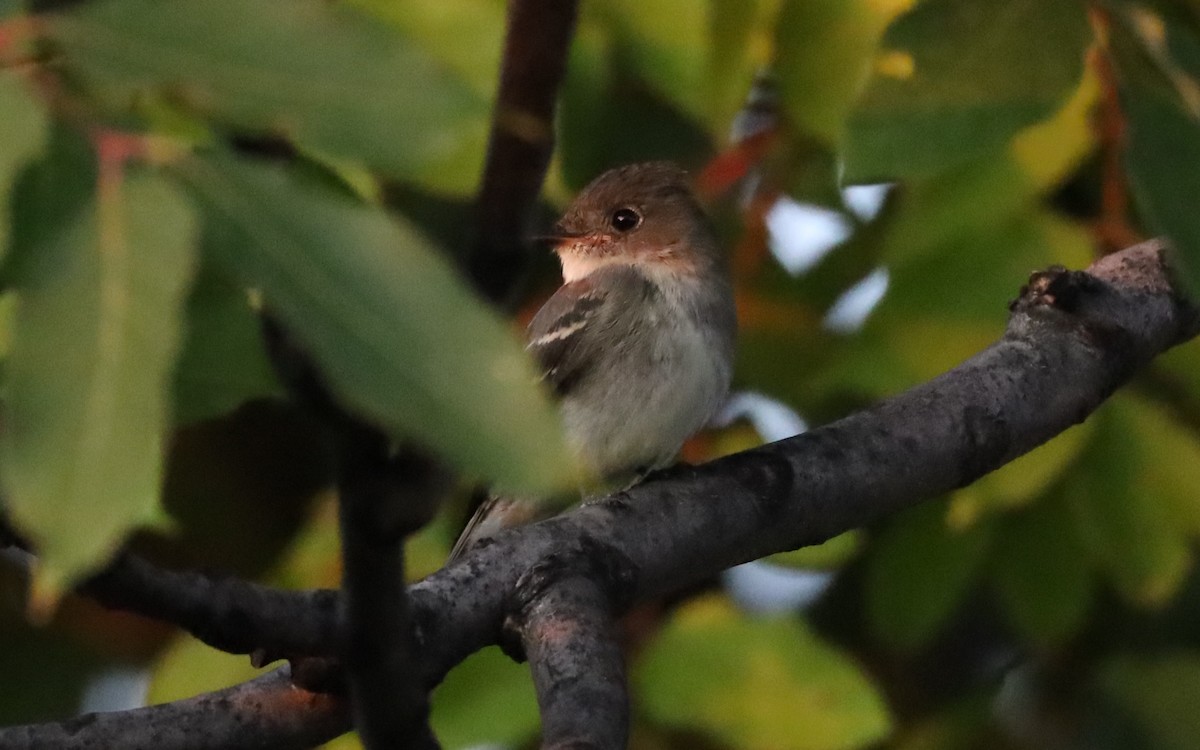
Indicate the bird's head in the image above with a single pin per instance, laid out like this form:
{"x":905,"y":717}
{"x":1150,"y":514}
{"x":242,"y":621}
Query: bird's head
{"x":643,"y":215}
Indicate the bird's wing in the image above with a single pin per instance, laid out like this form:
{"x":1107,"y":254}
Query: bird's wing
{"x":568,"y":333}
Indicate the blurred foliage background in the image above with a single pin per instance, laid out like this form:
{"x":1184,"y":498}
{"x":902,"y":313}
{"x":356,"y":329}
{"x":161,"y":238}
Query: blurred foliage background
{"x":900,"y":168}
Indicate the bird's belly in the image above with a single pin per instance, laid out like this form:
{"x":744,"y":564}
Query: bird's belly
{"x":641,"y":418}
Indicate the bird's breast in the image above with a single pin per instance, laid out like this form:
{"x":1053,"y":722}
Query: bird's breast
{"x":652,"y":391}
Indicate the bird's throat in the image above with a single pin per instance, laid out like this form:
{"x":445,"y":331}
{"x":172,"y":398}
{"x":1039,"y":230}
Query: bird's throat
{"x":578,"y":265}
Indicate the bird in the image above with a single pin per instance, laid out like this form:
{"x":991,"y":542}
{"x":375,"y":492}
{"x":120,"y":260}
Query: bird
{"x":638,"y":343}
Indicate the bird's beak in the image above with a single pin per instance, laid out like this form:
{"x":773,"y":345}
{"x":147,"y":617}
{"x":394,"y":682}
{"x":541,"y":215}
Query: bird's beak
{"x":560,"y":240}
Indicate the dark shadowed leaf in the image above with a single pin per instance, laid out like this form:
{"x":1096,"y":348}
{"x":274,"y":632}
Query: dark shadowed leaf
{"x":398,"y":337}
{"x":1041,"y":571}
{"x":239,"y":489}
{"x":53,"y":668}
{"x":919,"y":572}
{"x":1158,"y":692}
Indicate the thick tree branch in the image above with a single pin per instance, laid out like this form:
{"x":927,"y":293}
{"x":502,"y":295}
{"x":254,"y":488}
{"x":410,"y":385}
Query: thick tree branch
{"x":578,"y":669}
{"x":522,"y":139}
{"x":268,"y":711}
{"x":1073,"y":338}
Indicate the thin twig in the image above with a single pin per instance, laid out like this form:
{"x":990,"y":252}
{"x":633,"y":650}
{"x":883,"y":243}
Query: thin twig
{"x":384,"y":495}
{"x":521,"y":142}
{"x":268,"y":711}
{"x":382,"y":500}
{"x":225,"y":612}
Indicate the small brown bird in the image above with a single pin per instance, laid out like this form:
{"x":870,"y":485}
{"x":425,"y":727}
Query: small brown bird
{"x":638,"y":342}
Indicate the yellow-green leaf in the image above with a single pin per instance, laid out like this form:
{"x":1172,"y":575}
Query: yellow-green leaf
{"x":757,"y":683}
{"x":488,"y":699}
{"x":22,"y":134}
{"x":1138,"y":540}
{"x":824,"y":50}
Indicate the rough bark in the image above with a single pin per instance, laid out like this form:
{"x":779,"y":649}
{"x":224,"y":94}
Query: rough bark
{"x":1073,"y":338}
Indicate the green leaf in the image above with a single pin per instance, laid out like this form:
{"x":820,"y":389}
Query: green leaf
{"x":1041,"y":571}
{"x":488,"y":699}
{"x":223,"y":363}
{"x":982,"y":220}
{"x":1160,"y":693}
{"x":314,"y":557}
{"x":757,"y":682}
{"x":975,"y":279}
{"x":22,"y":136}
{"x":609,"y":116}
{"x":958,"y":246}
{"x":393,"y":331}
{"x":324,"y":74}
{"x":1162,"y":107}
{"x":958,"y":78}
{"x":918,"y":573}
{"x":923,"y":346}
{"x":1139,"y":540}
{"x":824,"y":51}
{"x":465,"y":36}
{"x":101,"y":293}
{"x":1180,"y":367}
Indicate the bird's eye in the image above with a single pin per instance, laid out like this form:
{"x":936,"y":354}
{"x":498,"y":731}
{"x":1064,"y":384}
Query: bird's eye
{"x":624,"y":219}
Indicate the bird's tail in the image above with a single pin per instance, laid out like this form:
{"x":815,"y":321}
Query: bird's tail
{"x":494,"y":514}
